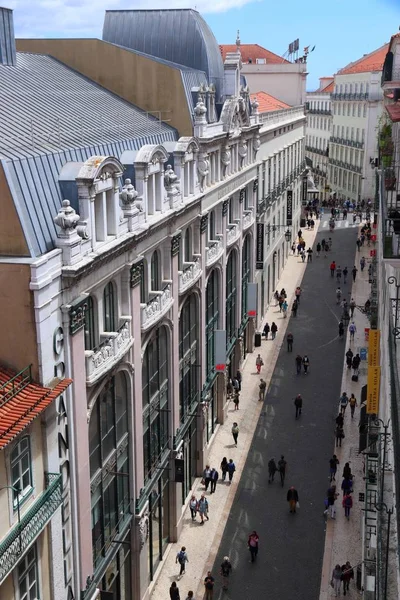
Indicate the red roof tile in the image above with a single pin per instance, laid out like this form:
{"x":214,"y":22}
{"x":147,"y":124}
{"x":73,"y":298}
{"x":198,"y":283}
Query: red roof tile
{"x":394,"y":111}
{"x":266,"y":102}
{"x":21,"y":401}
{"x":369,"y":62}
{"x":250,"y":52}
{"x":329,"y":88}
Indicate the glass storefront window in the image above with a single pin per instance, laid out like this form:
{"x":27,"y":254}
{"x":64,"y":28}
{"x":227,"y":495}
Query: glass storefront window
{"x":212,"y":319}
{"x":188,"y":356}
{"x":231,"y":283}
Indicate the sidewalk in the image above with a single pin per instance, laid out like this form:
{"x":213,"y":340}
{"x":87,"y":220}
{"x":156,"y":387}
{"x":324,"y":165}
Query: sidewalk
{"x":343,"y":540}
{"x":202,"y":543}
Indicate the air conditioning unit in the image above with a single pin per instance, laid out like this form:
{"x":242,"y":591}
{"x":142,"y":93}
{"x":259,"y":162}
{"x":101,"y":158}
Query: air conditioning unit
{"x":369,"y":591}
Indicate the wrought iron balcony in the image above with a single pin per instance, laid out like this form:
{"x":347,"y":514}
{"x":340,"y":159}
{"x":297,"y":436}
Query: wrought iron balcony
{"x":319,"y":111}
{"x":113,"y":347}
{"x":232,"y":234}
{"x":33,"y":521}
{"x":346,"y":142}
{"x":248,"y":218}
{"x":214,"y":251}
{"x":157,"y":307}
{"x":190,"y":274}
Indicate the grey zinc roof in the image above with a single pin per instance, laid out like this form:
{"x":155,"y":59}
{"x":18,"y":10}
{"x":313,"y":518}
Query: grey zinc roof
{"x":178,"y":35}
{"x":51,"y":115}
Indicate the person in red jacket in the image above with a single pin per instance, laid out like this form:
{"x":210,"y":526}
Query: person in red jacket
{"x":347,"y":504}
{"x":252,"y":543}
{"x":333,"y":268}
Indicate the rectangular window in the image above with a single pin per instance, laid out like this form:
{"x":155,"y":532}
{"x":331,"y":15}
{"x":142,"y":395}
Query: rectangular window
{"x":28,"y":584}
{"x":21,"y":471}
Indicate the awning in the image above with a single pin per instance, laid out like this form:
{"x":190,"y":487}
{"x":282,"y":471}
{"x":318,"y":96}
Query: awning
{"x":22,"y":400}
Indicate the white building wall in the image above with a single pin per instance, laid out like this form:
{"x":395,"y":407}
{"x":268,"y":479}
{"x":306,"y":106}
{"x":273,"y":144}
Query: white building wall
{"x":287,"y":82}
{"x":318,"y":134}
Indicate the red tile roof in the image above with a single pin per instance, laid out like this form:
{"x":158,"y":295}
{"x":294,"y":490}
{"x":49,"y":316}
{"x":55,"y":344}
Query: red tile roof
{"x":329,"y":88}
{"x":21,"y":401}
{"x":394,"y":37}
{"x":394,"y":111}
{"x":252,"y":52}
{"x":266,"y":102}
{"x":369,"y":62}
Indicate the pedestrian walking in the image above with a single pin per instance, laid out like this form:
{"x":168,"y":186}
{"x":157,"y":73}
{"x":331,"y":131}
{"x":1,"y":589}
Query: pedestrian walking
{"x":352,"y":307}
{"x":306,"y":364}
{"x":190,"y":595}
{"x":345,"y":273}
{"x":362,"y":263}
{"x":289,"y":340}
{"x":336,"y":579}
{"x":341,"y":328}
{"x":214,"y":479}
{"x":347,"y":576}
{"x":193,"y":507}
{"x":331,"y":495}
{"x":231,"y":469}
{"x":261,"y":390}
{"x":339,"y":420}
{"x":276,"y":296}
{"x":347,"y":486}
{"x":294,"y":308}
{"x":239,"y":379}
{"x":224,"y":468}
{"x":209,"y":586}
{"x":297,"y":293}
{"x":203,"y":509}
{"x":235,"y":432}
{"x":174,"y":591}
{"x":354,"y":272}
{"x":294,"y":248}
{"x":259,"y":363}
{"x":358,"y":243}
{"x":182,"y":559}
{"x":252,"y":544}
{"x":225,"y":571}
{"x":298,"y":402}
{"x":299,"y":362}
{"x":323,"y":244}
{"x":284,"y":309}
{"x":333,"y":464}
{"x":272,"y":469}
{"x":339,"y":434}
{"x":302,"y":255}
{"x":343,"y":402}
{"x":236,"y":399}
{"x":282,"y":466}
{"x":318,"y":249}
{"x":338,"y":273}
{"x":281,"y":301}
{"x":353,"y":404}
{"x":352,"y":330}
{"x":349,"y":358}
{"x":347,"y":474}
{"x":266,"y":330}
{"x":206,"y":477}
{"x":309,"y":254}
{"x":293,"y":498}
{"x":332,"y":268}
{"x":274,"y":330}
{"x":338,"y":295}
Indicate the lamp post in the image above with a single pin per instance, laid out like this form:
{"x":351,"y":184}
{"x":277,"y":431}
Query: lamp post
{"x":17,"y":491}
{"x":379,"y":506}
{"x":272,"y":228}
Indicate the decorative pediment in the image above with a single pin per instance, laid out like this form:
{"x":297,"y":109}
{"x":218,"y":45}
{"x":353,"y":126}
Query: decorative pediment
{"x":151,"y":154}
{"x":99,"y":168}
{"x":186,"y":145}
{"x":235,"y":114}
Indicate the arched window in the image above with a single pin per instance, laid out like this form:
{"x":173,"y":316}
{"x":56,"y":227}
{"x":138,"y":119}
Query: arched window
{"x":187,"y":245}
{"x":155,"y":272}
{"x":188,"y":356}
{"x":109,"y":307}
{"x":109,"y":465}
{"x":231,"y":294}
{"x":90,"y":325}
{"x":212,"y":319}
{"x":155,"y":394}
{"x":21,"y":471}
{"x":246,"y":268}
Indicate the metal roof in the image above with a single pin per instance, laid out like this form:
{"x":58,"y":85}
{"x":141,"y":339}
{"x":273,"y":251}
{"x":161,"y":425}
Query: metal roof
{"x":178,"y":35}
{"x":52,"y":115}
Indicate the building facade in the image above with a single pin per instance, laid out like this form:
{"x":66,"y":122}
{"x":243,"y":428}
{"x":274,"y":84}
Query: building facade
{"x":357,"y":104}
{"x":318,"y":134}
{"x":132,"y":249}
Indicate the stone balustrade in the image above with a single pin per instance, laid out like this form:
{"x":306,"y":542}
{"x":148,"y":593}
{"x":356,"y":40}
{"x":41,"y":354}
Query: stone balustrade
{"x":214,"y":251}
{"x":232,"y":234}
{"x":248,"y":218}
{"x":113,"y":347}
{"x":190,"y":274}
{"x":157,"y":307}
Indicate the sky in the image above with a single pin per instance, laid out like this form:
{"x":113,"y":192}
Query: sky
{"x":341,"y":30}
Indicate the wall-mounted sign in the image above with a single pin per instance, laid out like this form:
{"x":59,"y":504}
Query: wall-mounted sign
{"x":373,"y":348}
{"x":289,"y":207}
{"x":373,"y":382}
{"x":260,"y":246}
{"x":304,"y":189}
{"x":251,"y":299}
{"x":220,"y":350}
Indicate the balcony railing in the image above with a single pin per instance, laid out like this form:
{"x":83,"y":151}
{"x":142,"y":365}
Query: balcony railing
{"x":114,"y":346}
{"x":394,"y":80}
{"x":214,"y":251}
{"x":317,"y":150}
{"x":248,"y":218}
{"x":345,"y":165}
{"x":319,"y":111}
{"x":348,"y":96}
{"x":346,"y":142}
{"x":33,"y":521}
{"x":281,"y":116}
{"x":232,"y":234}
{"x":190,"y":274}
{"x":157,"y":307}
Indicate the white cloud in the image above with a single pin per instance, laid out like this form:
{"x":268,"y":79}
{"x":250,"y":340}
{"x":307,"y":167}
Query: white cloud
{"x":74,"y":18}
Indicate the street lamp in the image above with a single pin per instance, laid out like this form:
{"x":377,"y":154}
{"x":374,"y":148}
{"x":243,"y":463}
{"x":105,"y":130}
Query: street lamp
{"x":17,"y":491}
{"x":379,"y":506}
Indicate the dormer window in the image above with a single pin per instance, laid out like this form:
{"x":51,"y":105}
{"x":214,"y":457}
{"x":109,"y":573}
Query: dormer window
{"x":261,"y":61}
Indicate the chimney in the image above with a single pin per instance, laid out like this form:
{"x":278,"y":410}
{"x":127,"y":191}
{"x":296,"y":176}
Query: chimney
{"x":8,"y":54}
